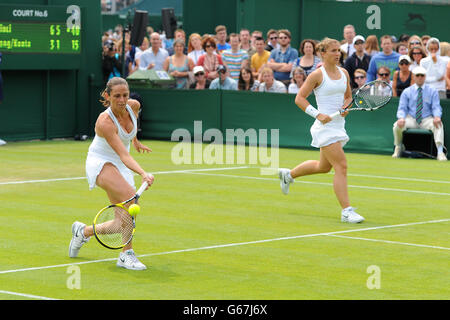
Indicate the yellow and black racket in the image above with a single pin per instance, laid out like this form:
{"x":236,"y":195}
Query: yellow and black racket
{"x":114,"y":226}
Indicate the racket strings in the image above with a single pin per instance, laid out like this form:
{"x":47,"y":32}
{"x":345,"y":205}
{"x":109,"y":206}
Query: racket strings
{"x":373,"y":95}
{"x":114,"y":227}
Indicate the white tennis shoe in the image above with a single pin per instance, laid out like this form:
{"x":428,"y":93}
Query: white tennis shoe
{"x":349,"y":215}
{"x":285,"y":179}
{"x":78,"y":239}
{"x":128,"y":260}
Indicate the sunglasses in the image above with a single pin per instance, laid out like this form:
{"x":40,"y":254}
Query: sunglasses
{"x":415,"y":42}
{"x":383,"y":74}
{"x":209,"y":46}
{"x":359,"y":77}
{"x":403,"y":62}
{"x":416,"y":53}
{"x":359,"y":42}
{"x":200,"y":74}
{"x":420,"y":75}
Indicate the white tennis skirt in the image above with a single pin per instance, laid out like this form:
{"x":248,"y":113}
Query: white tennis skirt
{"x":94,"y":165}
{"x":326,"y":134}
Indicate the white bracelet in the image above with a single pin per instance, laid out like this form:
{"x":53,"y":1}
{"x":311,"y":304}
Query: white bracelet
{"x":313,"y":112}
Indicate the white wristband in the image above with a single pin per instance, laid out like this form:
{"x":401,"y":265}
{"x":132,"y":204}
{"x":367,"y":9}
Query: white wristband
{"x":313,"y":112}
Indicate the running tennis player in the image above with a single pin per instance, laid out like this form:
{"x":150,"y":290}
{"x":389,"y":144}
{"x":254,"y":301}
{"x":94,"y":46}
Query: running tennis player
{"x":331,"y":87}
{"x":109,"y":164}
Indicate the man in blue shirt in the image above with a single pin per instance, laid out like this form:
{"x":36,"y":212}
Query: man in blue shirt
{"x":282,"y":59}
{"x":419,"y":107}
{"x":386,"y":58}
{"x":223,"y":82}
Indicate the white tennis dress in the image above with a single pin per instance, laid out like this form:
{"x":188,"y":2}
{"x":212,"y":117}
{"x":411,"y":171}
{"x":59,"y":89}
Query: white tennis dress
{"x":330,"y":98}
{"x":100,"y":152}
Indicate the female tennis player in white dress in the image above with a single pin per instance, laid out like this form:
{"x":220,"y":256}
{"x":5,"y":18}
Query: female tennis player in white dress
{"x":331,"y":87}
{"x":109,"y":164}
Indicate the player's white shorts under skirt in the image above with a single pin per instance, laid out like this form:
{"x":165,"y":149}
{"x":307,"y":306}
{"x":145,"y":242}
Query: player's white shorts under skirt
{"x":94,"y":165}
{"x":326,"y":134}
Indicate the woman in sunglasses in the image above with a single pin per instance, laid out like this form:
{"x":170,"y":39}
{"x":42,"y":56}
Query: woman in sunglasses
{"x":402,"y":77}
{"x":384,"y":74}
{"x":416,"y":54}
{"x":210,"y":60}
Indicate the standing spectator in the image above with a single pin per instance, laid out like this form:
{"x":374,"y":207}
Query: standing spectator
{"x":111,"y":63}
{"x":210,"y":60}
{"x":221,"y":36}
{"x":244,"y":42}
{"x":358,"y":60}
{"x":416,"y":54}
{"x":425,"y":38}
{"x":435,"y":66}
{"x":255,"y":34}
{"x":269,"y":84}
{"x":413,"y":41}
{"x":281,"y":60}
{"x":178,"y":34}
{"x":298,"y":78}
{"x":195,"y":49}
{"x":223,"y":82}
{"x":246,"y":80}
{"x":154,"y":57}
{"x":419,"y":107}
{"x":402,"y":77}
{"x":260,"y":58}
{"x":272,"y":40}
{"x":360,"y":76}
{"x":401,"y":48}
{"x":309,"y":59}
{"x":371,"y":47}
{"x":142,"y":48}
{"x":178,"y":65}
{"x":387,"y":57}
{"x":201,"y":82}
{"x":234,"y":58}
{"x":349,"y":34}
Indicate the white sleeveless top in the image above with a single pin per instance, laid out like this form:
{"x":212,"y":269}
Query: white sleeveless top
{"x":330,"y":93}
{"x":101,"y":148}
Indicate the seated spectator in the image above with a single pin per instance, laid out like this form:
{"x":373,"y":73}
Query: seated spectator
{"x":298,"y":78}
{"x":417,"y":53}
{"x":401,"y":48}
{"x":247,"y":81}
{"x":360,"y":77}
{"x":419,"y":107}
{"x":402,"y":77}
{"x":414,"y":41}
{"x":223,"y":82}
{"x":201,"y":82}
{"x":269,"y":84}
{"x":309,"y":59}
{"x":387,"y":57}
{"x":178,"y":34}
{"x":178,"y":65}
{"x":234,"y":58}
{"x":371,"y":47}
{"x":272,"y":40}
{"x":358,"y":60}
{"x":425,"y":38}
{"x":281,"y":60}
{"x":435,"y":66}
{"x":383,"y":74}
{"x":260,"y":58}
{"x":221,"y":37}
{"x":210,"y":60}
{"x":195,"y":49}
{"x":142,"y":48}
{"x":154,"y":57}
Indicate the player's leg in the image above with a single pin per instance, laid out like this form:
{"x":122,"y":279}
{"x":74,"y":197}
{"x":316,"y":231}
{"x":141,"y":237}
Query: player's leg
{"x":336,"y":157}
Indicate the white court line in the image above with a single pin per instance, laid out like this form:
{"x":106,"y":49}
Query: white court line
{"x":396,"y":178}
{"x":157,"y":172}
{"x":392,"y":242}
{"x":322,"y":183}
{"x":231,"y":245}
{"x":26,"y":295}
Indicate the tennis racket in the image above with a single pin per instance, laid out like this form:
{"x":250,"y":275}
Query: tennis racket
{"x":371,"y":96}
{"x":114,"y":226}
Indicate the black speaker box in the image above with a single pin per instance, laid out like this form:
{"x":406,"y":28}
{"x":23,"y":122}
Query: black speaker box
{"x":169,"y":22}
{"x":139,"y":28}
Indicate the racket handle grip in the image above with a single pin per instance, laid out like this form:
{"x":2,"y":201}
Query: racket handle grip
{"x":336,"y":114}
{"x":142,"y":188}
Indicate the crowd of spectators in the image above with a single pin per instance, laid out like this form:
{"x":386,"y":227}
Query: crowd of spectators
{"x":249,"y":61}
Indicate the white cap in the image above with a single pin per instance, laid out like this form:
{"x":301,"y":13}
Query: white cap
{"x":419,"y":70}
{"x":358,"y":37}
{"x":198,"y":69}
{"x":404,"y":57}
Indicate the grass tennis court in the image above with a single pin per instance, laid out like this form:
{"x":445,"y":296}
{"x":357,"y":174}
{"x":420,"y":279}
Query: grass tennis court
{"x":225,"y":231}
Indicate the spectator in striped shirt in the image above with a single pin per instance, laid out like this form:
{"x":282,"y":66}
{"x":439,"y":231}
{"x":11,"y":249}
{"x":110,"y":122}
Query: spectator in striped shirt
{"x":235,"y":58}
